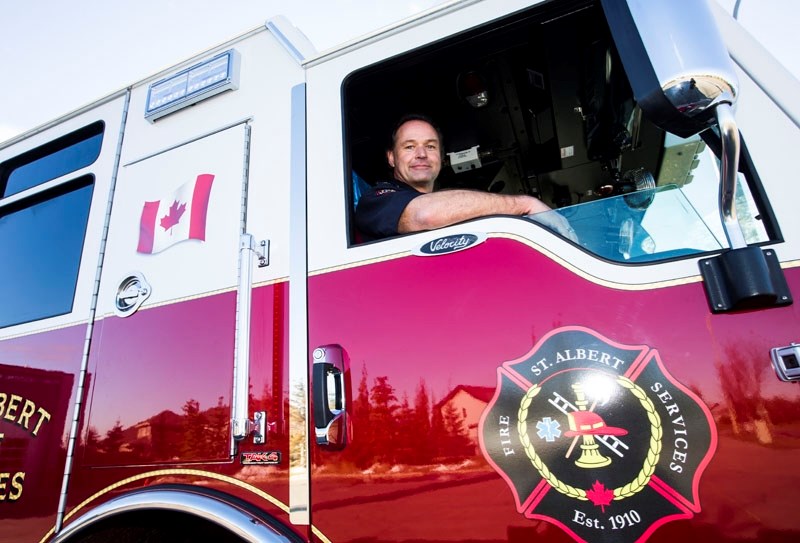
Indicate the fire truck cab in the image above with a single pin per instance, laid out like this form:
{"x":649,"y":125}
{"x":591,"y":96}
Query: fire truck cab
{"x":197,"y":343}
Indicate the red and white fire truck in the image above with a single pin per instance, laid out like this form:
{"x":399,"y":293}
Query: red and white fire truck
{"x":196,"y":344}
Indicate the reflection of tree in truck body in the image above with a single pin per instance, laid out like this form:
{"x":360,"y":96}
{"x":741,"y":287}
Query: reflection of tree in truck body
{"x":453,"y":440}
{"x":388,"y":430}
{"x":205,"y":432}
{"x":297,"y":416}
{"x":741,"y":372}
{"x":748,"y":412}
{"x":196,"y":433}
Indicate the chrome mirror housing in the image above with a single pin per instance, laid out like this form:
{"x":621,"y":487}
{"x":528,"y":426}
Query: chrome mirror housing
{"x":675,"y":59}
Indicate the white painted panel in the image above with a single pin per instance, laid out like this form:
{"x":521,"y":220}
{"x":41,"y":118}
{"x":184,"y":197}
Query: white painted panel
{"x":193,"y":266}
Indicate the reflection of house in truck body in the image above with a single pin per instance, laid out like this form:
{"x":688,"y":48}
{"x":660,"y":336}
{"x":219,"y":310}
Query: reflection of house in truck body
{"x":468,"y":403}
{"x":184,"y":292}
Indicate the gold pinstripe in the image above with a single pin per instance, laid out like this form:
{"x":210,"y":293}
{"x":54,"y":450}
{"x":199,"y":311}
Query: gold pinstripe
{"x":186,"y":472}
{"x":394,"y":256}
{"x":593,"y":279}
{"x":549,"y":254}
{"x":552,"y":256}
{"x":81,"y":322}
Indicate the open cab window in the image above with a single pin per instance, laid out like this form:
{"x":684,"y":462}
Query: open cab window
{"x":539,"y":103}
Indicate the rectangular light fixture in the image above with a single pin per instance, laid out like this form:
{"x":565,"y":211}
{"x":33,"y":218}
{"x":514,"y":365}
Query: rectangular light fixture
{"x":192,"y":85}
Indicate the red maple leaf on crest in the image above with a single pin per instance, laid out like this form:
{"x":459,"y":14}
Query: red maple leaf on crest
{"x":173,"y":217}
{"x":599,"y":495}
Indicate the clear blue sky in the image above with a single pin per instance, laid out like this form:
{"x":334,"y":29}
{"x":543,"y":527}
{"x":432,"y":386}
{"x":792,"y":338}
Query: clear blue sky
{"x":58,"y":56}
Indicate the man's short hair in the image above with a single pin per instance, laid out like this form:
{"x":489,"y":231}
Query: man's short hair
{"x":416,"y":117}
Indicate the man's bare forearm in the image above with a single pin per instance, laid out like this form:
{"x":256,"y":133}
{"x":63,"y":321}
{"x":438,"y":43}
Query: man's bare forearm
{"x":438,"y":209}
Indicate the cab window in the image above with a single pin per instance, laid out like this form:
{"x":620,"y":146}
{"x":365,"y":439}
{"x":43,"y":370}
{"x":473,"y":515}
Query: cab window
{"x":539,"y":103}
{"x":42,"y":227}
{"x":59,"y":157}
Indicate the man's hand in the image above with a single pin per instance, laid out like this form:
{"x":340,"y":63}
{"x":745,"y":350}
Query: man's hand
{"x":532,"y":205}
{"x":557,"y":223}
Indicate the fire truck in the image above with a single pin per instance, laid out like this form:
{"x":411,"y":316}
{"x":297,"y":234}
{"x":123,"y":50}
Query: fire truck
{"x":197,"y":343}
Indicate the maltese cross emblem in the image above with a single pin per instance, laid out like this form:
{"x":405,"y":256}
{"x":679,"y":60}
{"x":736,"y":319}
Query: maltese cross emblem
{"x":597,"y":437}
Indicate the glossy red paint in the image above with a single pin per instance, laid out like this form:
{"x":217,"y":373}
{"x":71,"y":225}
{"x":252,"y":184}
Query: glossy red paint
{"x":415,"y":329}
{"x":178,"y":384}
{"x":37,"y":392}
{"x":158,"y":378}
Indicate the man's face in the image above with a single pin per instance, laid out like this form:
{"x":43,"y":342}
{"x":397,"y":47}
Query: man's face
{"x":417,"y":155}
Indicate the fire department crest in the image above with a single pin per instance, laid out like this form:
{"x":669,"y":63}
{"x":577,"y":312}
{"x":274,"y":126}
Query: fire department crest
{"x":597,"y":438}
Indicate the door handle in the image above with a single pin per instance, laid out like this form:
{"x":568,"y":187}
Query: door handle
{"x":131,"y":293}
{"x":330,"y":414}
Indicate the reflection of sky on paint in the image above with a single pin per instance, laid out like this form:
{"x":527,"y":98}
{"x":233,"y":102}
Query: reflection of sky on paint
{"x":160,"y":358}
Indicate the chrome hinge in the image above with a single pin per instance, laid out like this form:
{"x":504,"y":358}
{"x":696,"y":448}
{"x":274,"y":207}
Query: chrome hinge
{"x":257,"y":426}
{"x":263,"y":253}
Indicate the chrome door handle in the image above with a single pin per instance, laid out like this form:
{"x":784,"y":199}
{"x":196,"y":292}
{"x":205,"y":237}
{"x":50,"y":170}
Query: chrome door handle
{"x":330,"y":415}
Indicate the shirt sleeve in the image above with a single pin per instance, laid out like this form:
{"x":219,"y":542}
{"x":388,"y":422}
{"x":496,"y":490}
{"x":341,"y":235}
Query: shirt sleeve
{"x":379,"y":209}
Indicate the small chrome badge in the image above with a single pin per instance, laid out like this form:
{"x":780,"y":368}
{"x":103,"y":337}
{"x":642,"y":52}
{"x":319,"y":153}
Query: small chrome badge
{"x":269,"y":458}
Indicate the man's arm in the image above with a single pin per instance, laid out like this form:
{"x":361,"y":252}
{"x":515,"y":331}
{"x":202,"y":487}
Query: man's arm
{"x":438,"y":209}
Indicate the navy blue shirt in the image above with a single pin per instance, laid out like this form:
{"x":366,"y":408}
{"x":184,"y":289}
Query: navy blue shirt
{"x":379,"y":208}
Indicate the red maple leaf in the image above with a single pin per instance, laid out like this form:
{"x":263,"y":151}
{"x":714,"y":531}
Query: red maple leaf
{"x":173,"y":217}
{"x":600,"y":495}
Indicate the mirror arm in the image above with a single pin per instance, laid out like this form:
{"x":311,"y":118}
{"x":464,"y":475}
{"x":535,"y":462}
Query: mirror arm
{"x":729,"y":168}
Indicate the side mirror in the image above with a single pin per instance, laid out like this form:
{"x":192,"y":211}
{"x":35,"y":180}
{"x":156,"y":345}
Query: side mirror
{"x":684,"y":81}
{"x":676,"y":61}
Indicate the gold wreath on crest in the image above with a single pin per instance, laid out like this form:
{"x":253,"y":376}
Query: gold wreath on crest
{"x":625,"y":491}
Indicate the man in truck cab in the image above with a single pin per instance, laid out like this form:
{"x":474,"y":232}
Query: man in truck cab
{"x":407,"y":202}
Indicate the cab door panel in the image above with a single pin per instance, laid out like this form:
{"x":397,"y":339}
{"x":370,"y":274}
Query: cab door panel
{"x":424,"y":359}
{"x":161,"y":372}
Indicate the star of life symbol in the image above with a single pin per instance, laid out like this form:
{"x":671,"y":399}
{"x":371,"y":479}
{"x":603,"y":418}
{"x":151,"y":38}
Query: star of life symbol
{"x":597,"y":437}
{"x":548,"y":429}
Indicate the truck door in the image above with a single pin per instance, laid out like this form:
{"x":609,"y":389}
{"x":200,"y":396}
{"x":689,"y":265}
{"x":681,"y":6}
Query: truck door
{"x":161,"y":374}
{"x":499,"y":380}
{"x":54,"y":190}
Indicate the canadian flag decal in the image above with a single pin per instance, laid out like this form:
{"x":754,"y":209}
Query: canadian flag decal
{"x":177,"y":217}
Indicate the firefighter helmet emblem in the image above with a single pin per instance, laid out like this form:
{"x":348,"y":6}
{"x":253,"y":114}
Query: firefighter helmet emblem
{"x":597,"y":438}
